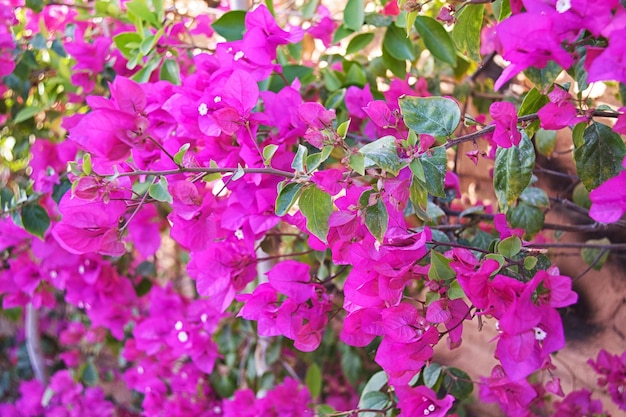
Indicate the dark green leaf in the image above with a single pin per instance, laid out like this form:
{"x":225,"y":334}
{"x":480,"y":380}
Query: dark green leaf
{"x":378,"y":20}
{"x":526,"y":217}
{"x":351,"y":364}
{"x":397,"y":44}
{"x":287,"y":196}
{"x":317,"y":206}
{"x":89,"y":373}
{"x":440,"y":268}
{"x":466,"y":32}
{"x":513,"y":171}
{"x":436,"y":39}
{"x":458,"y":383}
{"x":359,"y":42}
{"x":60,"y":189}
{"x":342,"y":32}
{"x":143,"y":288}
{"x":231,"y":25}
{"x":595,"y":256}
{"x":35,"y":219}
{"x":580,"y":196}
{"x":377,"y":219}
{"x":170,"y":71}
{"x":544,"y":77}
{"x":396,"y":66}
{"x":436,"y":116}
{"x":383,"y":153}
{"x":375,"y":383}
{"x":35,"y":5}
{"x":159,"y":191}
{"x":434,"y":164}
{"x":600,"y":155}
{"x":313,"y":380}
{"x":535,"y":197}
{"x":354,"y":14}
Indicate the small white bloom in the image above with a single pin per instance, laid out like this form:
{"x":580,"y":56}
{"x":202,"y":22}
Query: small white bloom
{"x":217,"y":99}
{"x":238,"y":55}
{"x":204,"y":317}
{"x":183,"y":337}
{"x":563,"y":5}
{"x":178,"y":325}
{"x":203,"y":109}
{"x":239,"y":234}
{"x":540,"y":334}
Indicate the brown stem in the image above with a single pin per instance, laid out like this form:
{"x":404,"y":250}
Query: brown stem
{"x":269,"y":171}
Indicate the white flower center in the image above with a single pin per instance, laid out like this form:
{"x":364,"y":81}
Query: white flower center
{"x":238,"y":56}
{"x":183,"y":337}
{"x":203,"y":109}
{"x":540,"y":334}
{"x":178,"y":325}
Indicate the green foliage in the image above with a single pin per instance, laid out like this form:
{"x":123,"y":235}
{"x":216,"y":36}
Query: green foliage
{"x":436,"y":39}
{"x":316,"y":205}
{"x":436,"y":116}
{"x":513,"y":171}
{"x":230,"y":25}
{"x":466,"y":32}
{"x":383,"y":153}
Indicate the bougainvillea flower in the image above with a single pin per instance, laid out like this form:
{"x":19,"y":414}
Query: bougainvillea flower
{"x":608,"y":201}
{"x":422,"y":401}
{"x":504,"y":116}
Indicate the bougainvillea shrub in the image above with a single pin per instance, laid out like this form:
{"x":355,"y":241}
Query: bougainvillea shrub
{"x":216,"y":212}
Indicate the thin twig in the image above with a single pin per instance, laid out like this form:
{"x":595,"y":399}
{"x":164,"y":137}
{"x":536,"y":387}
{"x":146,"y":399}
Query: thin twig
{"x":33,"y":344}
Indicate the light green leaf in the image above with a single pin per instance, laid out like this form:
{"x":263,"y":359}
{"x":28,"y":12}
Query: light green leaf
{"x":431,"y":374}
{"x":580,"y":196}
{"x":510,"y":246}
{"x":436,"y":39}
{"x":287,"y":196}
{"x":383,"y":153}
{"x":600,"y":155}
{"x":35,"y":219}
{"x":315,"y":160}
{"x":230,"y":25}
{"x":178,"y":156}
{"x":359,"y":42}
{"x":397,"y":44}
{"x":535,"y":197}
{"x":375,"y":383}
{"x":545,"y":142}
{"x":440,"y":268}
{"x":455,"y":291}
{"x":543,"y":77}
{"x":434,"y":164}
{"x":513,"y":171}
{"x":140,"y":9}
{"x":410,"y":21}
{"x":595,"y":256}
{"x":299,"y":160}
{"x":26,"y":113}
{"x":313,"y":380}
{"x":354,"y":15}
{"x":159,"y":191}
{"x":87,"y":167}
{"x":317,"y":206}
{"x":377,"y":219}
{"x":436,"y":116}
{"x":530,"y":262}
{"x":342,"y":129}
{"x":357,"y":163}
{"x":238,"y":174}
{"x":466,"y":32}
{"x":268,"y":153}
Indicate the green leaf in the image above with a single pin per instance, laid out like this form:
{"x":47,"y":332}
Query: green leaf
{"x":268,"y":153}
{"x":170,"y":71}
{"x":533,"y":101}
{"x":89,"y":373}
{"x":351,"y":364}
{"x":383,"y":153}
{"x":377,"y":219}
{"x":159,"y":191}
{"x":455,"y":291}
{"x":375,"y":383}
{"x":357,"y":163}
{"x":418,"y":195}
{"x":397,"y":44}
{"x":600,"y":155}
{"x":434,"y":164}
{"x":35,"y":219}
{"x":431,"y":374}
{"x":342,"y":129}
{"x":140,"y":9}
{"x":440,"y":268}
{"x":545,"y":141}
{"x":530,"y":262}
{"x":309,"y":8}
{"x":396,"y":66}
{"x":410,"y":21}
{"x":436,"y":39}
{"x":178,"y":156}
{"x":458,"y":383}
{"x":359,"y":42}
{"x":513,"y":171}
{"x":417,"y":169}
{"x":26,"y":113}
{"x":436,"y":116}
{"x":313,"y":380}
{"x":535,"y":197}
{"x":299,"y":160}
{"x":510,"y":246}
{"x":526,"y":217}
{"x":87,"y":168}
{"x":595,"y":256}
{"x":466,"y":32}
{"x":238,"y":174}
{"x":315,"y":160}
{"x":231,"y":25}
{"x":354,"y":15}
{"x":374,"y":400}
{"x":378,"y":20}
{"x":35,"y":5}
{"x":544,"y":77}
{"x":580,"y":196}
{"x":316,"y":206}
